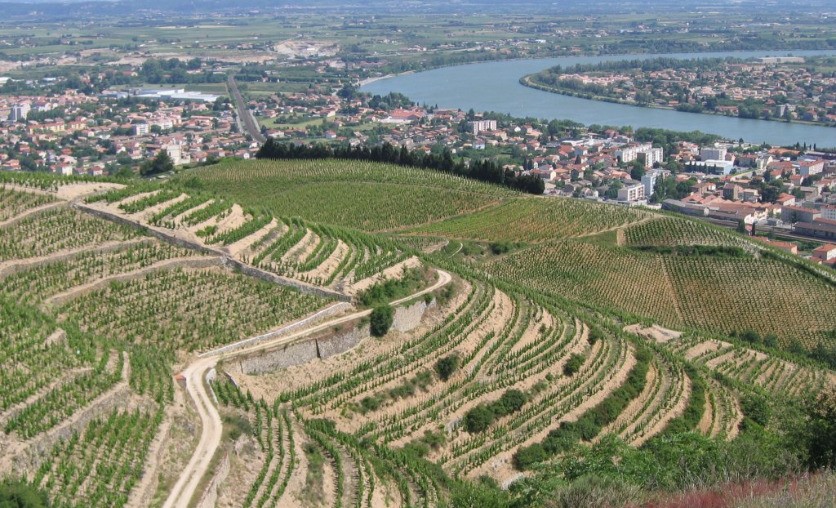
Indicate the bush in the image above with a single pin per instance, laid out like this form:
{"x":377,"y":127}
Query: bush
{"x":594,"y":491}
{"x":526,"y":457}
{"x":511,"y":401}
{"x":18,"y":494}
{"x":381,"y":320}
{"x":446,"y":366}
{"x":478,"y":419}
{"x":573,"y":365}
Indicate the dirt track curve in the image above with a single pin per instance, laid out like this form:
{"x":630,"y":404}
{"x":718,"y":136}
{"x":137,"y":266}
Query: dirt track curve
{"x":212,"y":428}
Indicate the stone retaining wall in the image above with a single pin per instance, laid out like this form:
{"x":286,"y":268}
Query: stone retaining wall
{"x":324,"y":347}
{"x":342,"y":342}
{"x":282,"y":358}
{"x":227,"y":260}
{"x":408,"y":318}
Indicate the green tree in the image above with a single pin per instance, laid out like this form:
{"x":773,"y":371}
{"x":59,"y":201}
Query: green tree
{"x":162,"y":163}
{"x":381,"y":320}
{"x":822,"y":429}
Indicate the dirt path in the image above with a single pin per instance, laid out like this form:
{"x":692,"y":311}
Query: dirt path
{"x":212,"y":426}
{"x":32,"y":211}
{"x":210,"y":437}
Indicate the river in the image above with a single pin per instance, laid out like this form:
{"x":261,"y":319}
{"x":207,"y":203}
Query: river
{"x":494,"y":86}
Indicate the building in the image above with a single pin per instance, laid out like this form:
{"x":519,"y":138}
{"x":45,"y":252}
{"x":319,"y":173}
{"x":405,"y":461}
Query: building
{"x":19,"y":112}
{"x":810,"y":167}
{"x":684,"y":208}
{"x":713,"y":153}
{"x":631,"y":193}
{"x":825,"y":254}
{"x":141,"y":129}
{"x":644,"y":152}
{"x":732,"y":191}
{"x":477,"y":126}
{"x":791,"y":214}
{"x":818,"y":228}
{"x":717,"y":167}
{"x":828,"y":212}
{"x":649,"y":181}
{"x":651,"y":156}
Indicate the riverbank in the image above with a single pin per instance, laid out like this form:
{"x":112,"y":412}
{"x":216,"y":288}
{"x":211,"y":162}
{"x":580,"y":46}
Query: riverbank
{"x":495,"y":86}
{"x":527,"y":81}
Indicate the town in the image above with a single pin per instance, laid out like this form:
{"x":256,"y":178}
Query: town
{"x":789,"y":89}
{"x":762,"y":190}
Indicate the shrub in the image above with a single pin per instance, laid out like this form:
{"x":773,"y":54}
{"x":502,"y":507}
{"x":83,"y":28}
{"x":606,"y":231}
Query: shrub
{"x":511,"y":401}
{"x":381,"y":320}
{"x":18,"y":494}
{"x":592,"y":490}
{"x":573,"y":365}
{"x":529,"y":455}
{"x":478,"y":419}
{"x":445,"y":367}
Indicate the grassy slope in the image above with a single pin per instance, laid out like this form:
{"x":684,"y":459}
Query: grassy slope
{"x":717,"y":294}
{"x":367,"y":196}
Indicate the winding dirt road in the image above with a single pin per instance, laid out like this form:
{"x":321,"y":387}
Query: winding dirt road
{"x":212,"y":427}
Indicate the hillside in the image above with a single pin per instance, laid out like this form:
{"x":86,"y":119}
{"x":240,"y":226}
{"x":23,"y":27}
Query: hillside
{"x":356,"y":194}
{"x":210,"y":339}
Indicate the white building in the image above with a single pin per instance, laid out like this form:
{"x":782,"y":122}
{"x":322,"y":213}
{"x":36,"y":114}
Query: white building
{"x":478,"y":126}
{"x":651,"y":156}
{"x":644,"y":151}
{"x":141,"y":129}
{"x":175,"y":151}
{"x":716,"y":153}
{"x":649,"y":182}
{"x":631,"y":193}
{"x":828,"y":212}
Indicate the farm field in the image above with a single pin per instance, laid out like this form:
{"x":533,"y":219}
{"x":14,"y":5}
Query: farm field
{"x":535,"y":220}
{"x":513,"y":365}
{"x":718,"y":293}
{"x":355,"y":194}
{"x":90,"y":341}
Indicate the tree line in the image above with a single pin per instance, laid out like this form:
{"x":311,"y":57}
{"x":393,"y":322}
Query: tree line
{"x":482,"y":170}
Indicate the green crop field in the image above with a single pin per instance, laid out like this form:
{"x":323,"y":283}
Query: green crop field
{"x":355,"y":194}
{"x":523,"y":363}
{"x":535,"y":220}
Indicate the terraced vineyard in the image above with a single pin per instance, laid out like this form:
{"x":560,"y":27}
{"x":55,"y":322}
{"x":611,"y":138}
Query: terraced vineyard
{"x":596,"y":274}
{"x":355,"y":194}
{"x":317,"y":254}
{"x":536,"y":220}
{"x":87,"y":327}
{"x":537,"y":366}
{"x":670,"y":232}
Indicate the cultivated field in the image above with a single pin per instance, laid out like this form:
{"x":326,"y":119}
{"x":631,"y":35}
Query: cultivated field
{"x":118,"y":306}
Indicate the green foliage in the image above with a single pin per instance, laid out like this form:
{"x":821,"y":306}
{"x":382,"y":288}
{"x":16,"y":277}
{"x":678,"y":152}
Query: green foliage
{"x":574,"y":363}
{"x":381,"y":320}
{"x":478,"y":419}
{"x":19,"y":494}
{"x":162,"y":163}
{"x":593,"y":491}
{"x":821,"y":430}
{"x":482,"y":416}
{"x":445,"y":367}
{"x":464,"y":494}
{"x":392,"y":289}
